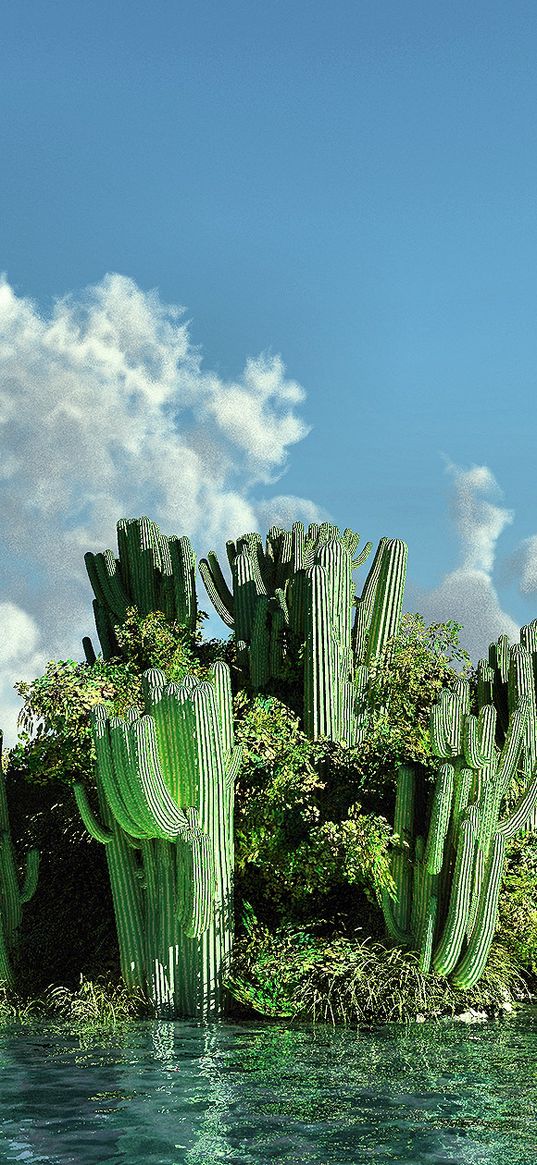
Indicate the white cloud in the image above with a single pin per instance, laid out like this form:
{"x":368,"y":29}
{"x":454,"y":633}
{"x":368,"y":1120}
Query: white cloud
{"x":19,"y":654}
{"x":107,"y":412}
{"x":522,"y":566}
{"x":467,"y":595}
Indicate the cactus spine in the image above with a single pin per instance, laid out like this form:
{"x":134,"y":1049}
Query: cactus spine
{"x":14,"y":893}
{"x":165,"y":783}
{"x":457,"y":868}
{"x":153,"y":573}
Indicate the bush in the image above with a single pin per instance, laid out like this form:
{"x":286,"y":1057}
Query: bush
{"x":301,"y":838}
{"x":518,"y":902}
{"x":294,"y":973}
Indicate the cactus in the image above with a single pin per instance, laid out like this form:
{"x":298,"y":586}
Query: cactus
{"x":165,"y":783}
{"x":509,"y":674}
{"x":453,"y":875}
{"x":266,"y":607}
{"x":14,"y":892}
{"x":153,"y":573}
{"x":296,"y":594}
{"x":337,"y":654}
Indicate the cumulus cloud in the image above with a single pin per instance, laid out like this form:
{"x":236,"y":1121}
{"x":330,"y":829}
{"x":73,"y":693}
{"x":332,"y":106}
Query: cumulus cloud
{"x":522,"y":566}
{"x":467,"y":594}
{"x":106,"y":411}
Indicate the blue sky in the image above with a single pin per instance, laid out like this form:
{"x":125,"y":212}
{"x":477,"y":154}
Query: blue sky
{"x":343,"y":195}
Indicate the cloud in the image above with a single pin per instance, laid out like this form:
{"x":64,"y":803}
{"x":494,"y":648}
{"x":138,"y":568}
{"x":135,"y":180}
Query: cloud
{"x":106,"y":411}
{"x":467,"y":595}
{"x":19,"y":654}
{"x":522,"y":566}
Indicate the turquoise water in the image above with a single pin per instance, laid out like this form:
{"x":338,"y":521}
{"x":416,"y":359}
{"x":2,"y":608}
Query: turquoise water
{"x":172,"y":1093}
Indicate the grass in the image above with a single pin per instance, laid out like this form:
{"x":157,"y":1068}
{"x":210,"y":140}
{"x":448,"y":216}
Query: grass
{"x":98,"y":1003}
{"x":294,"y":974}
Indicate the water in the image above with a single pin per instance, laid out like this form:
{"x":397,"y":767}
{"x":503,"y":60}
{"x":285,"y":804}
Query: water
{"x":171,"y":1093}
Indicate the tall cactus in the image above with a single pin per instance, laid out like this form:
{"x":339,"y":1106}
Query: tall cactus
{"x":296,"y":594}
{"x":266,"y":605}
{"x":448,"y":877}
{"x":153,"y":573}
{"x":14,"y":892}
{"x":337,"y":653}
{"x":510,"y":673}
{"x":165,"y":784}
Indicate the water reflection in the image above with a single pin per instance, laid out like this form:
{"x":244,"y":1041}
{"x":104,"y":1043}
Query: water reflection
{"x":183,"y":1094}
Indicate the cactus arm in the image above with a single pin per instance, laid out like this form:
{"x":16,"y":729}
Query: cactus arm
{"x":233,"y":765}
{"x":403,"y":828}
{"x":389,"y":592}
{"x":184,"y":580}
{"x":430,"y":913}
{"x":260,"y":644}
{"x":31,"y":875}
{"x":106,"y":776}
{"x":111,"y":583}
{"x":364,"y":554}
{"x":87,"y":647}
{"x":195,"y":879}
{"x":473,"y":964}
{"x":403,"y":937}
{"x":475,"y":756}
{"x":449,"y":947}
{"x":217,"y":588}
{"x":93,"y":825}
{"x":522,"y":814}
{"x":512,"y":747}
{"x":440,"y":814}
{"x":320,"y":680}
{"x":168,"y":818}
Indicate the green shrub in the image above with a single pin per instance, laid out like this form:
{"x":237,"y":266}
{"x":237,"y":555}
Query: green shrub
{"x":295,"y":973}
{"x":518,"y":902}
{"x":301,"y":838}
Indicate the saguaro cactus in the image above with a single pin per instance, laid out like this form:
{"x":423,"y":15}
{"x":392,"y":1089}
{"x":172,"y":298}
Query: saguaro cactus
{"x":266,"y":606}
{"x":14,"y":892}
{"x":510,"y":673}
{"x":337,"y":654}
{"x":448,"y":875}
{"x":165,"y":783}
{"x":297,"y":593}
{"x":153,"y":573}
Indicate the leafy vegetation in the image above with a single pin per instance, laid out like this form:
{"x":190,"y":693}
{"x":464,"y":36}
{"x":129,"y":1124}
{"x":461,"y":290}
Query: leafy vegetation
{"x":295,"y":973}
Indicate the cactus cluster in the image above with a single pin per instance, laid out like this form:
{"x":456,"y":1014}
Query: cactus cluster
{"x":165,"y":778}
{"x":153,"y":573}
{"x":165,"y":782}
{"x":295,"y":596}
{"x":448,"y":874}
{"x":14,"y":891}
{"x":509,"y":673}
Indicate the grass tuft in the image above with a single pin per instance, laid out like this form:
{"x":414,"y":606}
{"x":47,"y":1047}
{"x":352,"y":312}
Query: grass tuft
{"x":295,"y":974}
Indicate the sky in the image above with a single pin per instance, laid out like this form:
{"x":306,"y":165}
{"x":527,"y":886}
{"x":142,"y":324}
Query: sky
{"x":267,"y":261}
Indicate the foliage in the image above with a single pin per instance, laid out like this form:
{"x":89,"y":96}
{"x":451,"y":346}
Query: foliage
{"x":55,"y":742}
{"x":92,"y":1004}
{"x":294,"y":973}
{"x":101,"y":1003}
{"x":296,"y":844}
{"x":55,"y":739}
{"x":404,"y":683}
{"x":518,"y":902}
